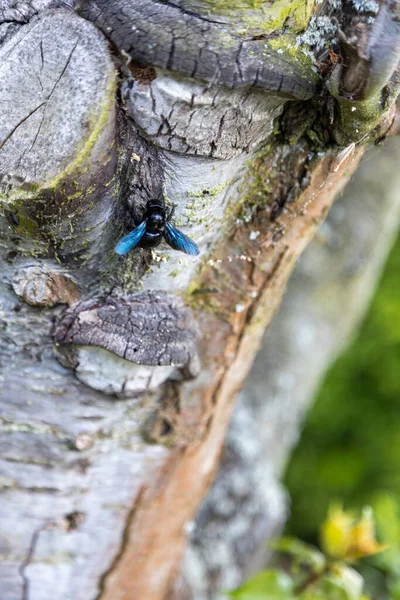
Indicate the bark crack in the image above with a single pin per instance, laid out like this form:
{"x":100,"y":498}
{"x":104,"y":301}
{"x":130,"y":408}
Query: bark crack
{"x":190,"y":13}
{"x":29,"y":557}
{"x":52,"y":90}
{"x":124,"y":544}
{"x":44,"y":103}
{"x":32,"y":112}
{"x":191,"y":45}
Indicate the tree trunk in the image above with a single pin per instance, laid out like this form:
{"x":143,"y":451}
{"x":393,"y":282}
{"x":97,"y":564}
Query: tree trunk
{"x":120,"y":374}
{"x":247,"y":504}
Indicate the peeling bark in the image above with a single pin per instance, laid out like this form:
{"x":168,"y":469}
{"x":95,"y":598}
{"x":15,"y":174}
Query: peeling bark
{"x":247,"y":504}
{"x":149,"y":329}
{"x":107,"y":452}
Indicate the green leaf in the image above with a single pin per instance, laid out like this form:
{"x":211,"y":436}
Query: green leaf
{"x":350,"y":580}
{"x":302,"y":553}
{"x":344,"y":584}
{"x":267,"y":585}
{"x":387,"y":518}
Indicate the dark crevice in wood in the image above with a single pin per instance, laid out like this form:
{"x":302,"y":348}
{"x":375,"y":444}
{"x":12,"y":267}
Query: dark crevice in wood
{"x":29,"y":557}
{"x":124,"y":543}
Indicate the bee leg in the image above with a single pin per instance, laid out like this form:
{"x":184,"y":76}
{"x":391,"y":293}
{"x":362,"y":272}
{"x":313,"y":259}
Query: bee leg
{"x":170,"y":213}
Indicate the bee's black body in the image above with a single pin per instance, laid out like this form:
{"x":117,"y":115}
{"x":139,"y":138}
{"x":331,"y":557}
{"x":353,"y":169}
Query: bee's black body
{"x":155,"y":218}
{"x":153,"y":228}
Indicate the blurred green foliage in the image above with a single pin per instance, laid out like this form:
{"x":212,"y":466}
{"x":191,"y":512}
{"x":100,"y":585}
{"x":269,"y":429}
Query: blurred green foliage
{"x":349,"y":452}
{"x":350,"y":446}
{"x":319,"y":574}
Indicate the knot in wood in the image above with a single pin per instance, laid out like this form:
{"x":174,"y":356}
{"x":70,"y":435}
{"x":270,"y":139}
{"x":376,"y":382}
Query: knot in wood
{"x":37,"y":286}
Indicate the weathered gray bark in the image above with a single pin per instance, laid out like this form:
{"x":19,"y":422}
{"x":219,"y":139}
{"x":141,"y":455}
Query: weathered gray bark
{"x":115,"y":396}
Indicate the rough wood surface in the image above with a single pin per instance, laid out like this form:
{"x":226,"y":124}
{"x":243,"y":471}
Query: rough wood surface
{"x":60,"y":135}
{"x":191,"y":45}
{"x":104,"y":459}
{"x":149,"y":329}
{"x":49,"y":57}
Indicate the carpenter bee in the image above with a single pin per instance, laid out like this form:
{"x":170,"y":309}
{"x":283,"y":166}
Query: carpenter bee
{"x":153,"y":228}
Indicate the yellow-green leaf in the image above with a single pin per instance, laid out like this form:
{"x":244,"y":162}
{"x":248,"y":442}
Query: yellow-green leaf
{"x":345,"y":538}
{"x":335,"y":533}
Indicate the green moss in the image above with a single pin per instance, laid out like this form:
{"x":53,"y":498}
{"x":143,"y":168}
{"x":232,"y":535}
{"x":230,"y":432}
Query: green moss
{"x":228,"y":5}
{"x":256,"y":191}
{"x":193,"y":296}
{"x":357,"y":119}
{"x":27,"y":226}
{"x":259,"y":15}
{"x":207,"y":193}
{"x":297,"y":12}
{"x":288,"y":47}
{"x":175,"y":273}
{"x":191,"y":290}
{"x":97,"y":124}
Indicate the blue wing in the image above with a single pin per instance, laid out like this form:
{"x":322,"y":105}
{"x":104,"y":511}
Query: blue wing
{"x":131,"y":240}
{"x":179,"y":241}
